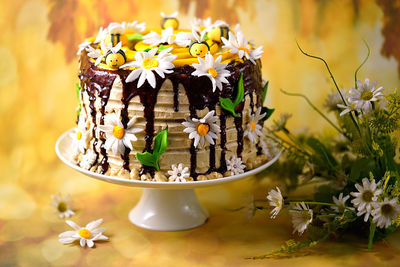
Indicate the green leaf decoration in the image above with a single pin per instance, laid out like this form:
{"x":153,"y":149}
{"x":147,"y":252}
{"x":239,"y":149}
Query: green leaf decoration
{"x":265,"y":90}
{"x":160,"y":145}
{"x":268,"y":112}
{"x":135,"y":37}
{"x":228,"y":105}
{"x":147,"y":49}
{"x":78,"y":93}
{"x":161,"y":48}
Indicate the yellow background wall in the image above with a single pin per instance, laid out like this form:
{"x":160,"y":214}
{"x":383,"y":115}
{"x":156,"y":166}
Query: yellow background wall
{"x":38,"y":69}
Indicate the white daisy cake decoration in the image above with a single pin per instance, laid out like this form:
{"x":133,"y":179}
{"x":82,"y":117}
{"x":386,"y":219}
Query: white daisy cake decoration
{"x":85,"y":235}
{"x":204,"y":129}
{"x":169,"y":103}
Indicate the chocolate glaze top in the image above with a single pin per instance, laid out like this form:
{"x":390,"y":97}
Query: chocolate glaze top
{"x":98,"y":83}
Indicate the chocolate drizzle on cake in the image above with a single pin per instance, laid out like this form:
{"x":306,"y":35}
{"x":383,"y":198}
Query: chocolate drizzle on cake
{"x":198,"y":91}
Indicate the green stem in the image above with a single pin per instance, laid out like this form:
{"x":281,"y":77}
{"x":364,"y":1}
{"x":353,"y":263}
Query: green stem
{"x":359,"y":67}
{"x":317,"y":110}
{"x":372,"y":228}
{"x":334,"y":82}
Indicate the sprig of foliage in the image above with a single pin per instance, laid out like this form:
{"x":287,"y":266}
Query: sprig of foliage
{"x":78,"y":95}
{"x":230,"y":106}
{"x":135,"y":37}
{"x":268,"y":111}
{"x":160,"y":145}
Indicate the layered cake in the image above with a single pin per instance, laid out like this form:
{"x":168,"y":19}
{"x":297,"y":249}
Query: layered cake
{"x":170,"y":104}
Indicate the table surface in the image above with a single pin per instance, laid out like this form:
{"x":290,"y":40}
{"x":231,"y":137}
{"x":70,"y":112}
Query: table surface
{"x":30,"y":236}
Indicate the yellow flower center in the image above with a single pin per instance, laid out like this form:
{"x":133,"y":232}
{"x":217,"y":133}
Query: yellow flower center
{"x":84,"y":233}
{"x":366,"y":95}
{"x":118,"y":132}
{"x":244,"y":49}
{"x":367,"y":196}
{"x":253,"y":126}
{"x":203,"y":129}
{"x":62,"y":207}
{"x":149,"y":63}
{"x":79,"y":135}
{"x":213,"y":72}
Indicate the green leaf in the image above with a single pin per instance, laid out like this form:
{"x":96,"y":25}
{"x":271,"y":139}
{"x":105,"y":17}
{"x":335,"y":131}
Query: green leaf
{"x":323,"y":152}
{"x":228,"y":105}
{"x":161,"y":48}
{"x":160,"y":145}
{"x":268,"y":112}
{"x":160,"y":142}
{"x":147,"y":49}
{"x":361,"y":168}
{"x":135,"y":37}
{"x":265,"y":90}
{"x":147,"y":159}
{"x":240,"y":94}
{"x":78,"y":92}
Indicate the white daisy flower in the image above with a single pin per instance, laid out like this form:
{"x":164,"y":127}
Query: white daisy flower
{"x":154,"y":39}
{"x":146,"y":62}
{"x":367,"y":194}
{"x":235,"y":165}
{"x":213,"y":69}
{"x":88,"y":159}
{"x":134,"y":27}
{"x":256,"y":54}
{"x":86,"y":235}
{"x":275,"y":200}
{"x":269,"y":148}
{"x":364,"y":95}
{"x":101,"y":35}
{"x":384,"y":213}
{"x":254,"y":128}
{"x":115,"y":28}
{"x":100,"y":54}
{"x":237,"y":44}
{"x":79,"y":139}
{"x":334,"y":99}
{"x":117,"y":136}
{"x":200,"y":25}
{"x":82,"y":47}
{"x":347,"y":108}
{"x":62,"y":205}
{"x":178,"y":174}
{"x":202,"y":129}
{"x":281,"y":124}
{"x":341,"y":202}
{"x":302,"y":216}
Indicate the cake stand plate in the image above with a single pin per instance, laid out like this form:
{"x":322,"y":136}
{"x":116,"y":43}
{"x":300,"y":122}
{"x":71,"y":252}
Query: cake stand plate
{"x":163,"y":206}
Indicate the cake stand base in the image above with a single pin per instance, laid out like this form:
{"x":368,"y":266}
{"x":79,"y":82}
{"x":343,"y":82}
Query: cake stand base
{"x":168,"y":210}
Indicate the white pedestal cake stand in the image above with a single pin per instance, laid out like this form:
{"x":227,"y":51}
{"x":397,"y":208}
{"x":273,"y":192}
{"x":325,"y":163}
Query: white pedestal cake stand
{"x":164,"y":206}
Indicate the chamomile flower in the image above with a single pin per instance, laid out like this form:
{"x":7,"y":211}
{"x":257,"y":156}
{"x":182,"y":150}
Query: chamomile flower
{"x":275,"y":200}
{"x":384,"y":213}
{"x":155,"y":39}
{"x":82,"y":47}
{"x":237,"y":44}
{"x":86,"y":235}
{"x":134,"y":27}
{"x":100,"y":54}
{"x":202,"y":129}
{"x":365,"y":94}
{"x":302,"y":216}
{"x":213,"y":69}
{"x":146,"y":62}
{"x":117,"y":136}
{"x":235,"y":165}
{"x":101,"y":35}
{"x":62,"y":205}
{"x":341,"y":202}
{"x":254,"y":128}
{"x":365,"y":197}
{"x":79,"y":139}
{"x":200,"y":25}
{"x":88,"y":159}
{"x":350,"y":106}
{"x":281,"y":124}
{"x":334,"y":99}
{"x":178,"y":173}
{"x":268,"y":148}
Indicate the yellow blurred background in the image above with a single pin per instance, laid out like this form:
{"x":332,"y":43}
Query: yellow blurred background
{"x":38,"y":69}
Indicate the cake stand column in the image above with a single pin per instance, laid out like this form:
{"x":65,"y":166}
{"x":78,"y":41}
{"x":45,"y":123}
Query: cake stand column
{"x":168,"y":210}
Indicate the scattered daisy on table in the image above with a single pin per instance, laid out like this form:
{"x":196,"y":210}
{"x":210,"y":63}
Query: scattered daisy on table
{"x":86,"y":235}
